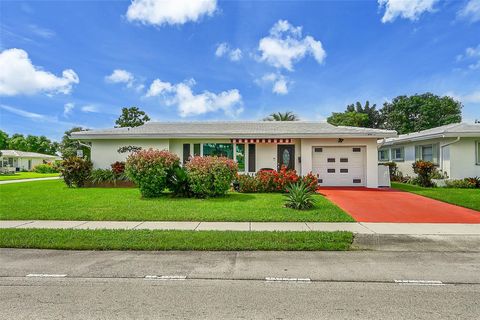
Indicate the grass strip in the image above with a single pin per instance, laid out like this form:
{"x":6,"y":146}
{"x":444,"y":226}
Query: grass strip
{"x":468,"y":198}
{"x":174,"y":240}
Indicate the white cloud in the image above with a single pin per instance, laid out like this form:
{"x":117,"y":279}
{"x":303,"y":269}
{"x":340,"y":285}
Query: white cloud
{"x":169,"y":11}
{"x":471,"y":97}
{"x":41,"y":32}
{"x":223,"y":49}
{"x":279,"y":82}
{"x":159,"y":87}
{"x":23,"y":113}
{"x":284,"y":46}
{"x":189,"y":103}
{"x":472,"y":56}
{"x":20,"y":76}
{"x":67,"y":109}
{"x":90,"y":108}
{"x":471,"y":11}
{"x":407,"y":9}
{"x":120,"y":76}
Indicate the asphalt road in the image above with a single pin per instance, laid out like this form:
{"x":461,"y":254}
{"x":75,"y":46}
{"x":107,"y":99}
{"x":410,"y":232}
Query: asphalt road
{"x":49,"y":284}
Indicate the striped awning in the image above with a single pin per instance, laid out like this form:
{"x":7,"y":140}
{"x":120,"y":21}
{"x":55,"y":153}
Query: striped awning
{"x":261,"y":140}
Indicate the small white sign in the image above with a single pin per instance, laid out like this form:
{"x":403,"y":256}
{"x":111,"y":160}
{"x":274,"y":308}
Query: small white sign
{"x":80,"y":153}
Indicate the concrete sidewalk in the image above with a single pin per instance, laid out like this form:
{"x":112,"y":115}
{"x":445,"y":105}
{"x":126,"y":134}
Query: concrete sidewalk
{"x":357,"y":227}
{"x":28,"y":180}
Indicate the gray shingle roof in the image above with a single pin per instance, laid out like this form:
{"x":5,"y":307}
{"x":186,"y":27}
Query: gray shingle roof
{"x":234,"y":129}
{"x":25,"y":154}
{"x":449,"y":130}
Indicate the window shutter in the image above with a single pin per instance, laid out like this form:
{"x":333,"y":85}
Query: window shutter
{"x":435,"y":151}
{"x":418,"y":153}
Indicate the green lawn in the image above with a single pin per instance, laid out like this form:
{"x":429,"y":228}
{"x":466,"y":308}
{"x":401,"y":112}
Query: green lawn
{"x":469,"y":198}
{"x":172,"y":240}
{"x":27,"y":175}
{"x":52,"y":200}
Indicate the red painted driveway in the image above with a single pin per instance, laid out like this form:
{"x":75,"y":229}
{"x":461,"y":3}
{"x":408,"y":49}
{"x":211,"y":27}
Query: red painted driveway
{"x":389,"y":205}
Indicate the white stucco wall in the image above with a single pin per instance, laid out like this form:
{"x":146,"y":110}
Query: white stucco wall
{"x":23,"y":163}
{"x":104,"y":152}
{"x":371,"y":170}
{"x":457,"y":159}
{"x":462,"y":159}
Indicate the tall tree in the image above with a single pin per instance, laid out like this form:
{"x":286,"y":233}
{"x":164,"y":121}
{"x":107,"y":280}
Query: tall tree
{"x":131,"y":117}
{"x":357,"y":115}
{"x":3,"y":140}
{"x":407,"y":114}
{"x":68,"y":147}
{"x":282,"y":116}
{"x":17,"y":142}
{"x":351,"y":119}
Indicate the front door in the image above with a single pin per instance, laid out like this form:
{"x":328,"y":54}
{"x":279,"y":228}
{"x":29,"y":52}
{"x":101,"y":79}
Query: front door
{"x":286,"y":156}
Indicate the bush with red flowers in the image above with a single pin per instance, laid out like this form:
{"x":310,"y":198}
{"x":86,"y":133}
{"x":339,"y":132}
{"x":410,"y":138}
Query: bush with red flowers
{"x":210,"y":176}
{"x":118,"y":168}
{"x":150,"y":169}
{"x":274,"y":181}
{"x":425,"y":171}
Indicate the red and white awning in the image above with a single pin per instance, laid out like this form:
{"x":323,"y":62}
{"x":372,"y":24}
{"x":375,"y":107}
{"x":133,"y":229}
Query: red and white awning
{"x":261,"y":140}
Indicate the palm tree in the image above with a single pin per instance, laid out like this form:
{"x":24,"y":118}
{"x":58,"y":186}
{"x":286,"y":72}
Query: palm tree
{"x":282,"y":116}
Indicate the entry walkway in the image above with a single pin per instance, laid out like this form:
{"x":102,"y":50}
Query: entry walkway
{"x":28,"y":180}
{"x":356,"y":227}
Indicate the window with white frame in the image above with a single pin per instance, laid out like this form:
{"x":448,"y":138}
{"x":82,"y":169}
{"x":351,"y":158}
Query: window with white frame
{"x":383,"y":155}
{"x":477,"y":149}
{"x":427,"y":152}
{"x":398,"y":154}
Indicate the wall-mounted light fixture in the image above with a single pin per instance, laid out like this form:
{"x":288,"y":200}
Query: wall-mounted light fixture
{"x":340,"y":140}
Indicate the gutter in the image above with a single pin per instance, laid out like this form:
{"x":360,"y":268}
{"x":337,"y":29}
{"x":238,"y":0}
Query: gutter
{"x":446,"y":145}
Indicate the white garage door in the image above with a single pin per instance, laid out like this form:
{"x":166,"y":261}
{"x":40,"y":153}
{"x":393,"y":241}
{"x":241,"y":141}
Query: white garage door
{"x":339,"y":166}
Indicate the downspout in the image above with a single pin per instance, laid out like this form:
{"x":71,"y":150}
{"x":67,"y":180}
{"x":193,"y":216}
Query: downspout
{"x":446,"y":145}
{"x":84,"y":144}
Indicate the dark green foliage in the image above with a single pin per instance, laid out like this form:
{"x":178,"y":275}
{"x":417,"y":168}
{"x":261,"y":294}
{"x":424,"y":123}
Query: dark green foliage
{"x":131,"y":117}
{"x":407,"y":114}
{"x":299,"y":196}
{"x":357,"y":116}
{"x":467,"y":183}
{"x":76,"y":171}
{"x":30,"y":143}
{"x":45,"y":168}
{"x":68,"y":147}
{"x":179,"y":183}
{"x":282,"y":116}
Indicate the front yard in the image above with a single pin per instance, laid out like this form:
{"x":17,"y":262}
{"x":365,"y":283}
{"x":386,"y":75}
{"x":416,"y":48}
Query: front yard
{"x":52,"y":200}
{"x":27,"y":175}
{"x":468,"y":198}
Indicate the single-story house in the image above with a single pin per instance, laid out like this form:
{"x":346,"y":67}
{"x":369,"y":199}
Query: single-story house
{"x":339,"y":156}
{"x":454,"y":148}
{"x":23,"y":160}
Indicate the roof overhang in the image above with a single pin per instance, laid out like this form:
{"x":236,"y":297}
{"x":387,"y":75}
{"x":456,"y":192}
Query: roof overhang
{"x":402,"y":140}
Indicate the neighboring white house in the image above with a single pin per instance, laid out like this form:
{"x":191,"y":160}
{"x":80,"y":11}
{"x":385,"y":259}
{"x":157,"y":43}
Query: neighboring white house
{"x":339,"y":156}
{"x":22,"y":160}
{"x":454,"y":148}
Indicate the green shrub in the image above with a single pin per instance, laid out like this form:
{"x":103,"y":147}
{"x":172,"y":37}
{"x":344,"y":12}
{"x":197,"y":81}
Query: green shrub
{"x":299,"y":196}
{"x":210,"y":176}
{"x":467,"y":183}
{"x":248,"y":184}
{"x":118,"y":168}
{"x":425,"y":170}
{"x":76,"y":171}
{"x":45,"y":168}
{"x":102,"y":175}
{"x":150,"y":169}
{"x":179,"y":183}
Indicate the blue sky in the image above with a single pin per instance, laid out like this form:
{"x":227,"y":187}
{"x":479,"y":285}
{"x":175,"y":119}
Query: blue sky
{"x":78,"y":63}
